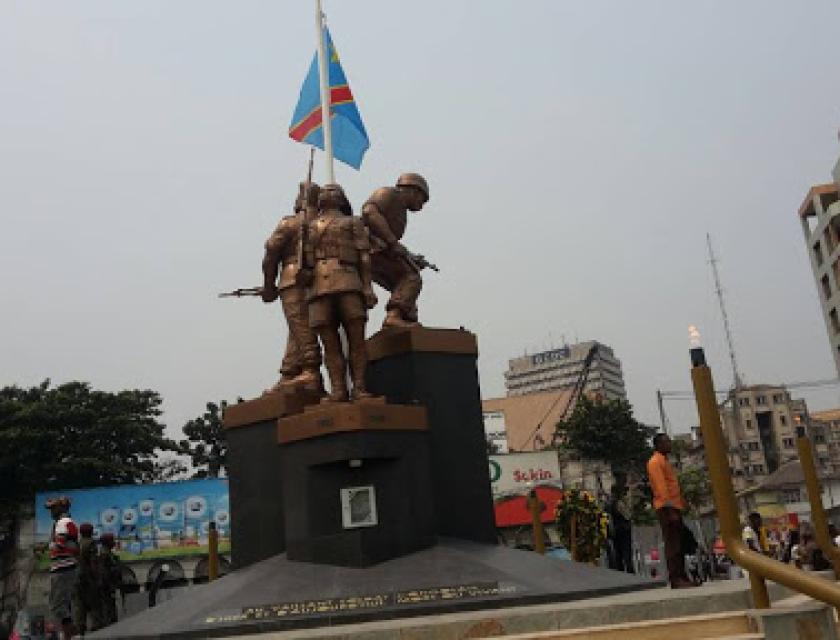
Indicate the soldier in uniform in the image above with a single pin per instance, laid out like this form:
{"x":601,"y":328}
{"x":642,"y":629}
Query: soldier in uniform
{"x":341,"y":290}
{"x":394,"y":268}
{"x":302,"y":360}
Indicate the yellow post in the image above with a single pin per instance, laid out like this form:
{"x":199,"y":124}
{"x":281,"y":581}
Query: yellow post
{"x":535,"y":507}
{"x":213,"y":553}
{"x":719,"y":474}
{"x":812,"y":484}
{"x":759,"y":566}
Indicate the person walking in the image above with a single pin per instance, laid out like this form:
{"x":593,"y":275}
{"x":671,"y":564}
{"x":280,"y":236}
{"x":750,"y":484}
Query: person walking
{"x":669,"y":505}
{"x":620,"y":514}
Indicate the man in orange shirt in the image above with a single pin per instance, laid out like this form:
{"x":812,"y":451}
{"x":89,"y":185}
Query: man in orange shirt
{"x":669,"y":505}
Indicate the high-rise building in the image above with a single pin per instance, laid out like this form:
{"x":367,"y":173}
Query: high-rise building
{"x":559,"y":369}
{"x":820,"y":218}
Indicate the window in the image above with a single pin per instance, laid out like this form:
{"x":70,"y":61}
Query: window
{"x":753,"y":446}
{"x":758,"y":469}
{"x":748,"y":423}
{"x":782,"y":420}
{"x":744,"y":402}
{"x":819,"y":438}
{"x":761,"y":400}
{"x":788,"y":442}
{"x":826,"y":286}
{"x":791,"y":495}
{"x":835,"y":322}
{"x":778,"y":398}
{"x":818,"y":252}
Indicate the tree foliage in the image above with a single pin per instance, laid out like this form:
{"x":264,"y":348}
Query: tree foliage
{"x":607,"y":430}
{"x":695,"y":487}
{"x":206,"y":443}
{"x":73,"y":436}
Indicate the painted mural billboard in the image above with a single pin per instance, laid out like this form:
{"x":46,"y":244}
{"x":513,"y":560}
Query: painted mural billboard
{"x":511,"y":477}
{"x":148,"y":520}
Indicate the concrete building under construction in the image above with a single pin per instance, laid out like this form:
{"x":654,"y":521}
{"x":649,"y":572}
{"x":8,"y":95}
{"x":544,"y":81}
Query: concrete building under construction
{"x":820,"y":218}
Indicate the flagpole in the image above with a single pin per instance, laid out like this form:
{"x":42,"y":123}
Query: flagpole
{"x":323,"y":73}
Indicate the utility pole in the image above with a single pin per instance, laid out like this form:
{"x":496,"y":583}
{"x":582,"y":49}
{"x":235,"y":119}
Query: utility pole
{"x":736,"y":376}
{"x":662,"y":417}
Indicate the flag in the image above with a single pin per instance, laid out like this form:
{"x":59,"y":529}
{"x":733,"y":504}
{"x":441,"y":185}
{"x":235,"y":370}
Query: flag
{"x":349,"y":138}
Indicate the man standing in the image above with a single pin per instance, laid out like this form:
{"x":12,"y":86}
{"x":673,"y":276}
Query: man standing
{"x":64,"y":551}
{"x":620,"y":513}
{"x":394,"y":268}
{"x":669,"y":505}
{"x":302,"y":360}
{"x":341,"y":290}
{"x":110,"y":579}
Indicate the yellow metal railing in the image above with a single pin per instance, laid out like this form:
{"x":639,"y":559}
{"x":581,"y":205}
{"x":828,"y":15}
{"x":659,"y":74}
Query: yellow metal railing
{"x":760,"y":567}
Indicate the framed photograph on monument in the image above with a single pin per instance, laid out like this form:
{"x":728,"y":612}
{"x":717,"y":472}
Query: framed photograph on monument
{"x":358,"y":507}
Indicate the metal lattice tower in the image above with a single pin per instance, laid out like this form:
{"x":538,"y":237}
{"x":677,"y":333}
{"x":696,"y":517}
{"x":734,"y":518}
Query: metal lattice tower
{"x":736,"y":376}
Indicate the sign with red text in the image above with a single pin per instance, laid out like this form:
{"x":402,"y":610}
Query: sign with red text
{"x":511,"y":473}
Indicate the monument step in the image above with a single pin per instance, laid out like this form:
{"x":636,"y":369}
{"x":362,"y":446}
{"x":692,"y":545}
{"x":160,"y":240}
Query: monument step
{"x":729,"y":626}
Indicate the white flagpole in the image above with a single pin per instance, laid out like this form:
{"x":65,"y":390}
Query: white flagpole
{"x":323,"y":73}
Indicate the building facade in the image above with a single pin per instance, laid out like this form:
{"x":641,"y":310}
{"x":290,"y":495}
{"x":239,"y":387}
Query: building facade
{"x":821,"y":228}
{"x":830,"y":423}
{"x":559,"y":369}
{"x":759,"y":423}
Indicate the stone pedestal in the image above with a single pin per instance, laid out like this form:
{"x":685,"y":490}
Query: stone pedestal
{"x":436,"y":368}
{"x":372,"y":451}
{"x":253,"y":461}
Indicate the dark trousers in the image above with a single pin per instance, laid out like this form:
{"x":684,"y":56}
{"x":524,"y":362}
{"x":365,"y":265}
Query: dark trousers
{"x":623,"y":546}
{"x":670,"y":520}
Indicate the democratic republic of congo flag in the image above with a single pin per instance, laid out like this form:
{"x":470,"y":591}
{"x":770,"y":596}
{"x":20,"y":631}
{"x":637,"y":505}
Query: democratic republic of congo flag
{"x":349,"y":138}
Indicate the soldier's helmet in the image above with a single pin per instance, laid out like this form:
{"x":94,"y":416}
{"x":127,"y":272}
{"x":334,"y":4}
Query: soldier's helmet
{"x":60,"y":501}
{"x":414,"y":180}
{"x":334,"y":195}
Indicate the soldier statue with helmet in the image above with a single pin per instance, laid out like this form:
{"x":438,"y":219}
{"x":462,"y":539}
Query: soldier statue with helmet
{"x":283,"y":252}
{"x":340,"y":293}
{"x":394,"y":267}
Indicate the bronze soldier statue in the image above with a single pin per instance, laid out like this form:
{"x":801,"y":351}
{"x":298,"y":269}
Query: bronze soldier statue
{"x":302,"y":360}
{"x":341,"y":291}
{"x":394,"y":268}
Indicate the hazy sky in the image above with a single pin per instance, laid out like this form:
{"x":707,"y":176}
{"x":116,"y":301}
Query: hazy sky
{"x":578,"y":152}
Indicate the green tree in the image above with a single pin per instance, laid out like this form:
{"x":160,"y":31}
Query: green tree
{"x":695,"y":487}
{"x":206,"y":443}
{"x":607,"y":431}
{"x":73,"y":436}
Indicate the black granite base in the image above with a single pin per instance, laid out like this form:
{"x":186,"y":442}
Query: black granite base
{"x":257,"y":523}
{"x":455,"y":575}
{"x":394,"y":463}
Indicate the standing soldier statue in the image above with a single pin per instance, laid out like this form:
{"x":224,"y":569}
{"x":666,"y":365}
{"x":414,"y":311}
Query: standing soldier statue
{"x":394,"y":268}
{"x":302,"y":360}
{"x":341,"y":292}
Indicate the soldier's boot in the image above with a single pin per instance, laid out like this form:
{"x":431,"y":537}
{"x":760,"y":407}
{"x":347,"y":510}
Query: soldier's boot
{"x":394,"y":318}
{"x":358,"y":357}
{"x":310,"y":380}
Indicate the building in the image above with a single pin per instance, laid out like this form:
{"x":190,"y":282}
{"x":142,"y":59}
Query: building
{"x":784,"y":492}
{"x":759,"y":423}
{"x":821,"y":228}
{"x":527,"y":423}
{"x":561,"y":368}
{"x":830,"y":422}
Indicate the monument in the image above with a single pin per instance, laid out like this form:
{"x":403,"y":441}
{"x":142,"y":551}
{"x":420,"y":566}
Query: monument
{"x":370,"y":498}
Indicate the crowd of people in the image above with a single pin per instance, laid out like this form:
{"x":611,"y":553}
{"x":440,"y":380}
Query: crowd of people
{"x":84,"y":573}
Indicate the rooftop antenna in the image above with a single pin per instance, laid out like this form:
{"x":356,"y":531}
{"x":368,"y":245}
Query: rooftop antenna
{"x":736,"y":376}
